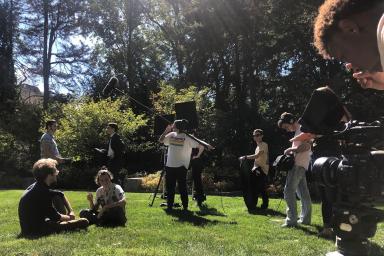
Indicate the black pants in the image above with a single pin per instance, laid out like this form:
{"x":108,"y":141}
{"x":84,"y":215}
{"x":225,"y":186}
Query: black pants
{"x":114,"y":166}
{"x":258,"y":185}
{"x":112,"y":217}
{"x":172,"y":175}
{"x":197,"y":169}
{"x":51,"y":227}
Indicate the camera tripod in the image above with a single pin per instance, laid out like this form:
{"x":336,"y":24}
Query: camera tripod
{"x":353,"y":226}
{"x":164,"y":161}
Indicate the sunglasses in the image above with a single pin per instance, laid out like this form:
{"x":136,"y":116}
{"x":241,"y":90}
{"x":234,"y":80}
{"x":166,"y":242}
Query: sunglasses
{"x":257,"y":135}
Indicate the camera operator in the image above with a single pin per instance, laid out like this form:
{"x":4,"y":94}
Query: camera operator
{"x":353,"y":31}
{"x":259,"y":173}
{"x":180,"y":147}
{"x":296,"y":178}
{"x":323,"y":112}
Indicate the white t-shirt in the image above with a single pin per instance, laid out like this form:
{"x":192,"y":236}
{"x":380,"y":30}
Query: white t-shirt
{"x":114,"y":194}
{"x":380,"y":40}
{"x":179,"y":149}
{"x":302,"y":158}
{"x":262,"y":160}
{"x":110,"y":153}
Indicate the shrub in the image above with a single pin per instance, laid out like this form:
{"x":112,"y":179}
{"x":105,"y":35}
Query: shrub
{"x":82,"y":126}
{"x":150,"y":181}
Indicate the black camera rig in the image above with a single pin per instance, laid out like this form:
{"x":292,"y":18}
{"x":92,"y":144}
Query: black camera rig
{"x":357,"y":176}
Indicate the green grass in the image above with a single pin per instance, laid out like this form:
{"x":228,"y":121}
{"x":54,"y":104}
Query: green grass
{"x":224,"y":229}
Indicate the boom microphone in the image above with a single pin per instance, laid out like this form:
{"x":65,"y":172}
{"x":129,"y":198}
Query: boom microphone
{"x":110,"y":86}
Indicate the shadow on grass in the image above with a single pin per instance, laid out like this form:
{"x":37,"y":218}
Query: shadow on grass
{"x":266,"y":212}
{"x":38,"y":236}
{"x":204,"y":210}
{"x":309,"y":231}
{"x":190,"y":217}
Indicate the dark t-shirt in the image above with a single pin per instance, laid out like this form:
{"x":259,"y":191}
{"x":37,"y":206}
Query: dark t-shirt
{"x":35,"y":207}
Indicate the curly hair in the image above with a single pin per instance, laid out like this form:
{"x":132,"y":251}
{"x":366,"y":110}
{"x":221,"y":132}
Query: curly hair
{"x":44,"y":167}
{"x":330,"y":13}
{"x":103,"y":171}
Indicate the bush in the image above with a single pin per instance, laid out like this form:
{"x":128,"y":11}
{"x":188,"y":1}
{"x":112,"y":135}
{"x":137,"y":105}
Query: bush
{"x":150,"y":181}
{"x":18,"y":145}
{"x":77,"y":175}
{"x":82,"y":126}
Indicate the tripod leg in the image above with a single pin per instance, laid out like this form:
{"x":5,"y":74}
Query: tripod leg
{"x":157,"y":188}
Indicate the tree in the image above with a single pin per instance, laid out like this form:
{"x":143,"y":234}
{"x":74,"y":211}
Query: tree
{"x":127,"y":48}
{"x":7,"y":70}
{"x":50,"y":43}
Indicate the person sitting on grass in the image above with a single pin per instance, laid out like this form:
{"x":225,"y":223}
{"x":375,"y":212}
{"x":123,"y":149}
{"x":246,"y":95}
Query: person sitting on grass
{"x":43,"y":211}
{"x":110,"y":198}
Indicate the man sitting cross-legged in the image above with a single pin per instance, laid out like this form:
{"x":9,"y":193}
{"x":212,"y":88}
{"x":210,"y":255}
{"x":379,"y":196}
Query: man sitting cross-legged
{"x":42,"y":210}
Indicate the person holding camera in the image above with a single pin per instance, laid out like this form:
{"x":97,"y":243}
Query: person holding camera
{"x":353,"y":31}
{"x":109,"y":207}
{"x":259,"y":174}
{"x":296,"y":178}
{"x":323,"y":114}
{"x":48,"y":145}
{"x":42,"y":210}
{"x":180,"y":147}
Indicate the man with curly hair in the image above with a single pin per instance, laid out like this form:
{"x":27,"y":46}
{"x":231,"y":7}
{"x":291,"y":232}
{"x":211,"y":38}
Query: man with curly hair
{"x":353,"y":31}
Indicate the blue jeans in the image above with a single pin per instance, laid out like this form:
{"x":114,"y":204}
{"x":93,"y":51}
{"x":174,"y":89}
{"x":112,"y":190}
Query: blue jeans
{"x":296,"y":182}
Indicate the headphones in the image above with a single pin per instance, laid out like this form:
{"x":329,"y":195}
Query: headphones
{"x":286,"y":118}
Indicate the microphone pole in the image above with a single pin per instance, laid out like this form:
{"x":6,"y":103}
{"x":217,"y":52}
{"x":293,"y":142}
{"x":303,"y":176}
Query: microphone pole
{"x":112,"y":82}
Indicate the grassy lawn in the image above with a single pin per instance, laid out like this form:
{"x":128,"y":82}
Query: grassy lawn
{"x":225,"y":228}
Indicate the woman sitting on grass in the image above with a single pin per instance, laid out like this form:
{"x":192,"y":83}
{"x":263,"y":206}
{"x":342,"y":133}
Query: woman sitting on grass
{"x":110,"y":198}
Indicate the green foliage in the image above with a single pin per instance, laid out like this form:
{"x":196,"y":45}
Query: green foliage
{"x":7,"y":78}
{"x":164,"y":101}
{"x":82,"y":126}
{"x":18,"y":144}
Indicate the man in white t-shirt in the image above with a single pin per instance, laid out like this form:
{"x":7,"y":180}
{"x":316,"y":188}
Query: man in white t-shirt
{"x":259,"y":173}
{"x":180,"y":147}
{"x":296,"y":178}
{"x":352,"y":31}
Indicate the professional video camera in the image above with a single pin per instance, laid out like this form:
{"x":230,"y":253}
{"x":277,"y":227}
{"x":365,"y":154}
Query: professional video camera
{"x":355,"y":173}
{"x":358,"y":177}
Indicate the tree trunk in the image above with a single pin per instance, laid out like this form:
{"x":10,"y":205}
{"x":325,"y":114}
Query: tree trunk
{"x":45,"y":56}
